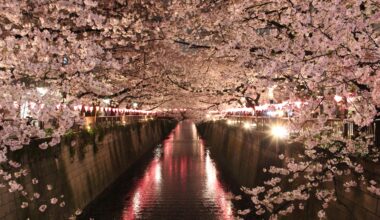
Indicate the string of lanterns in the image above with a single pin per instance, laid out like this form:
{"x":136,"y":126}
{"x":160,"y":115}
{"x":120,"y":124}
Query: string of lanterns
{"x":276,"y":110}
{"x":272,"y":110}
{"x":87,"y":108}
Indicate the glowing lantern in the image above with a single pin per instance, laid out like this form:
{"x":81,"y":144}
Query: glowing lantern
{"x":77,"y":107}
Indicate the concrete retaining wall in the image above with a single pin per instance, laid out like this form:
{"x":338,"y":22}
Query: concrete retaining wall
{"x":78,"y":173}
{"x":242,"y":154}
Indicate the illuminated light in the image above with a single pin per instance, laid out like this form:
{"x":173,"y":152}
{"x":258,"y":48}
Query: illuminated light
{"x":270,"y":113}
{"x":42,"y":91}
{"x":86,"y":108}
{"x":262,"y":107}
{"x":88,"y":127}
{"x":77,"y":107}
{"x":247,"y":125}
{"x":338,"y":98}
{"x":97,"y":108}
{"x":229,"y":122}
{"x":279,"y":131}
{"x":135,"y":105}
{"x":280,"y":113}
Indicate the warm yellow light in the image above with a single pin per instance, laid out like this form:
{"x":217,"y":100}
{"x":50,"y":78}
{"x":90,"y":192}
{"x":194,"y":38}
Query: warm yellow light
{"x":279,"y":131}
{"x":280,"y":113}
{"x":247,"y":125}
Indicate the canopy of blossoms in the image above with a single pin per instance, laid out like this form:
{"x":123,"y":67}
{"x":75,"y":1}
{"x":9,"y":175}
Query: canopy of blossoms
{"x":199,"y":55}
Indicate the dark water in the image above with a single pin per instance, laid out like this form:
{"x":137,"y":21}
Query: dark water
{"x":178,"y":181}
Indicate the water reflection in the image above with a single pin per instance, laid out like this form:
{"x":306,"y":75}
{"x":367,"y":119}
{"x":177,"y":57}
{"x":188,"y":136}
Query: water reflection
{"x":215,"y":190}
{"x":180,"y":182}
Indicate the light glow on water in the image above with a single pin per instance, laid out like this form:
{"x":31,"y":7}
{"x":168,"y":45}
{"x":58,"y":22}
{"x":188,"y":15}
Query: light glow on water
{"x":181,"y":175}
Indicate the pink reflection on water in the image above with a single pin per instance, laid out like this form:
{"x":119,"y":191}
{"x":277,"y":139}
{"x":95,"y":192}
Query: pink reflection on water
{"x":214,"y":188}
{"x":150,"y":182}
{"x":182,"y":164}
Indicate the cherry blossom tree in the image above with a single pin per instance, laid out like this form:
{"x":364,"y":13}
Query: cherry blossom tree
{"x":56,"y":54}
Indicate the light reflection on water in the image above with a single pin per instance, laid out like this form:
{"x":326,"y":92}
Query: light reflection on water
{"x":179,"y":182}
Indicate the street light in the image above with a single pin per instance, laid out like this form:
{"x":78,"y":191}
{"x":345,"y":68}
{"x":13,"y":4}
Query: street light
{"x":279,"y":131}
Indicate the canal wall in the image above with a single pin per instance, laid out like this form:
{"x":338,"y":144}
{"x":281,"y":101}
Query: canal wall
{"x":242,"y":154}
{"x":72,"y":174}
